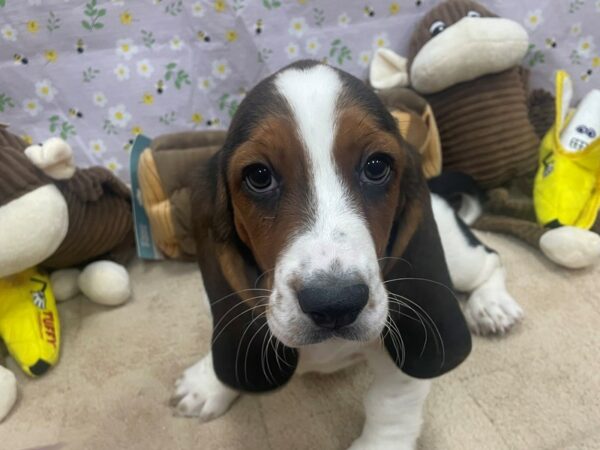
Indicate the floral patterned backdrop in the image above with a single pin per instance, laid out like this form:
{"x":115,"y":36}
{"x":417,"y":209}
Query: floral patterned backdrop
{"x":99,"y":72}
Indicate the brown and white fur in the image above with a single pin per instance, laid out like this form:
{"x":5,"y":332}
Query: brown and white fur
{"x":323,"y":227}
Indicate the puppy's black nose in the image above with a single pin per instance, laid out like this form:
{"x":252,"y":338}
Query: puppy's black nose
{"x":334,"y":305}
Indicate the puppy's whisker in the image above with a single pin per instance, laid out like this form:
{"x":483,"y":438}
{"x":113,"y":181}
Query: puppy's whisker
{"x":273,"y":344}
{"x":395,"y":298}
{"x":448,"y":288}
{"x":256,"y":333}
{"x":239,"y":292}
{"x":237,"y":353}
{"x":283,"y":358}
{"x":267,"y":347}
{"x":396,"y":343}
{"x":262,"y":275}
{"x":220,"y":332}
{"x":399,"y":335}
{"x":432,"y":324}
{"x":396,"y":258}
{"x":237,"y":305}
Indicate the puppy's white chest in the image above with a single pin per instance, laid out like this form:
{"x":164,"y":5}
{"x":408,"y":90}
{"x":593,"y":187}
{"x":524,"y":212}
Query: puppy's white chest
{"x":330,"y":356}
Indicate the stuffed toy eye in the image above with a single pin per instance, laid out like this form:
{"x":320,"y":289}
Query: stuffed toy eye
{"x":582,"y":129}
{"x":473,"y":14}
{"x":437,"y":27}
{"x":591,"y":133}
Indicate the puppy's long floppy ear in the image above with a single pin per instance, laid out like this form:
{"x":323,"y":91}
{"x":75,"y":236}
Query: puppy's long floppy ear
{"x":429,"y":335}
{"x":245,"y":355}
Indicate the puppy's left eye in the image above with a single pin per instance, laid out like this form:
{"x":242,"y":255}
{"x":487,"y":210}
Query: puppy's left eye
{"x":259,"y":178}
{"x":377,"y":169}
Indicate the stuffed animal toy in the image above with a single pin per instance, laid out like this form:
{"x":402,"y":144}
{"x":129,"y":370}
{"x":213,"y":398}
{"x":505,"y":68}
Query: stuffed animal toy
{"x":164,"y":171}
{"x":567,"y":184}
{"x":54,"y":217}
{"x":465,"y":61}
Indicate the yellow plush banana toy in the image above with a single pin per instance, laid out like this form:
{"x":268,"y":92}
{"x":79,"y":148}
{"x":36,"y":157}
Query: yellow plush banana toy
{"x":29,"y":324}
{"x":567,"y":184}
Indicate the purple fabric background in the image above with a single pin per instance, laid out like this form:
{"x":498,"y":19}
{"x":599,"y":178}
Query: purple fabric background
{"x":105,"y":60}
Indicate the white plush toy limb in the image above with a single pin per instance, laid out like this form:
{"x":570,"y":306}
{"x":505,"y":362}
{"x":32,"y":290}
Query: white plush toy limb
{"x":571,"y":247}
{"x":8,"y":391}
{"x":65,"y":283}
{"x":54,"y":157}
{"x":23,"y":239}
{"x":388,"y":69}
{"x":103,"y":282}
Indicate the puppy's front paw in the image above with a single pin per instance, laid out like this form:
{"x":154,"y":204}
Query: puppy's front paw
{"x":492,"y":311}
{"x":199,"y":393}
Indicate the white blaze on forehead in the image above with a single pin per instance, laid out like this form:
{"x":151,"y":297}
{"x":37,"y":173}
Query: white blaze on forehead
{"x":312,"y":95}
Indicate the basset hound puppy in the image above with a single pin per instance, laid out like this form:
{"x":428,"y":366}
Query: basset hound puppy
{"x":318,"y":248}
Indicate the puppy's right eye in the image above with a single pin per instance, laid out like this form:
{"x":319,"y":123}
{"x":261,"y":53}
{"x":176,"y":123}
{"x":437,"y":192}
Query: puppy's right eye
{"x":259,"y":178}
{"x":437,"y":27}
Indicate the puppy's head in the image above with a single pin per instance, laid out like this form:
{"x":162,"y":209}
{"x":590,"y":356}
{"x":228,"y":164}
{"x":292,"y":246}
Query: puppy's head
{"x":315,"y":210}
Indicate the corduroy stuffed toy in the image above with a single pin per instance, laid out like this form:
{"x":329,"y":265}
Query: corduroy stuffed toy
{"x":465,"y":60}
{"x":56,"y":216}
{"x":59,"y":219}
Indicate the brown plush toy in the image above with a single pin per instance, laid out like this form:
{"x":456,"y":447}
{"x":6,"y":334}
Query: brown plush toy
{"x":465,"y":60}
{"x":56,"y":216}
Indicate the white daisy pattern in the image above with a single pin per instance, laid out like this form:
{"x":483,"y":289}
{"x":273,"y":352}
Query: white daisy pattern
{"x":534,"y":19}
{"x":176,"y":43}
{"x":197,"y":9}
{"x":575,"y":29}
{"x":343,"y":20}
{"x":381,"y":40}
{"x":122,"y":72}
{"x":99,"y":99}
{"x":97,"y":146}
{"x":292,"y":50}
{"x":32,"y":106}
{"x":221,"y":69}
{"x":119,"y":116}
{"x":585,"y":46}
{"x":113,"y":165}
{"x":298,"y":26}
{"x":126,"y":48}
{"x":312,"y":46}
{"x":205,"y":84}
{"x":45,"y":90}
{"x":144,"y":68}
{"x":364,"y":58}
{"x":9,"y":33}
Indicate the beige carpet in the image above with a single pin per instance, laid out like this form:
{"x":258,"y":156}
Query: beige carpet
{"x":538,"y":388}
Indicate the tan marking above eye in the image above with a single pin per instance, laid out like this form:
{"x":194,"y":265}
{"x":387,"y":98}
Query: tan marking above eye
{"x":359,"y":137}
{"x":274,"y":143}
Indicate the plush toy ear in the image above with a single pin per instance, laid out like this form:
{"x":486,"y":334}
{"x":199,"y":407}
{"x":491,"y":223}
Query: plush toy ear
{"x":246,"y":355}
{"x":388,"y":69}
{"x":54,"y":157}
{"x":429,"y":335}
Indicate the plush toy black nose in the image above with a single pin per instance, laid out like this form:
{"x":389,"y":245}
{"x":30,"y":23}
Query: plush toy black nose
{"x":335,"y":305}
